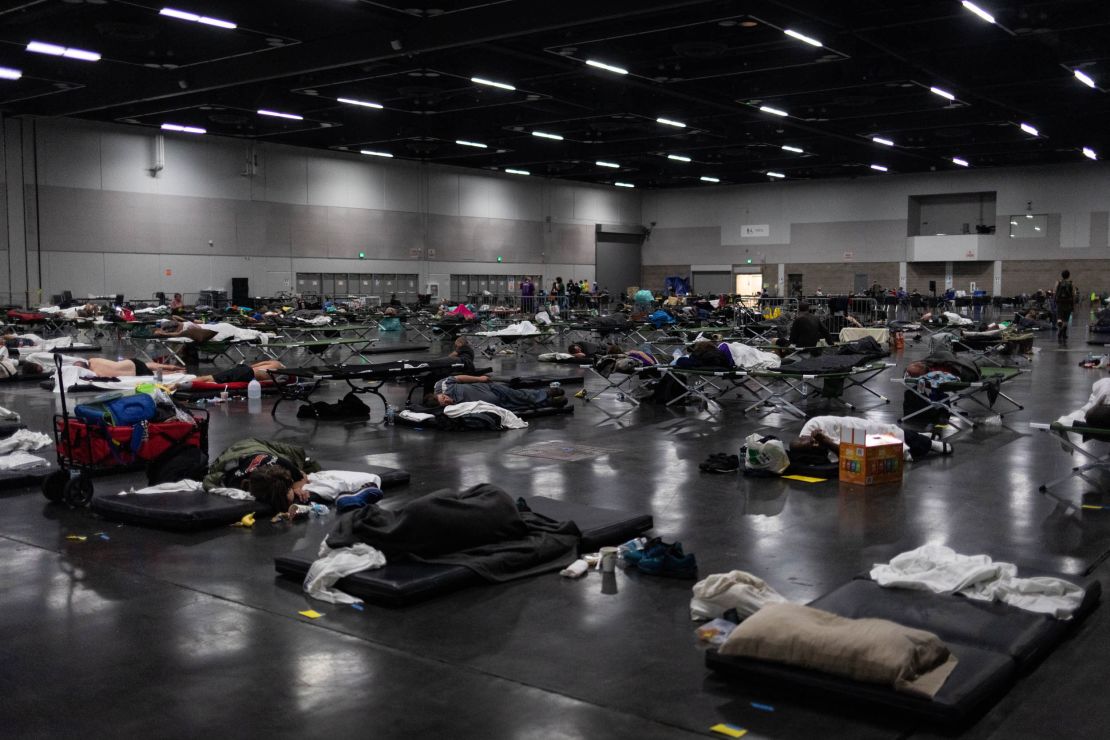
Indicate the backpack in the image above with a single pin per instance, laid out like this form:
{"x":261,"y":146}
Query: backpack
{"x":1065,"y":292}
{"x":180,"y":462}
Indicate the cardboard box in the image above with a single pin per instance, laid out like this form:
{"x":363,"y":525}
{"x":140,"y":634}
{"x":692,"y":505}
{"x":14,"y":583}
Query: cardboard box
{"x":871,"y":459}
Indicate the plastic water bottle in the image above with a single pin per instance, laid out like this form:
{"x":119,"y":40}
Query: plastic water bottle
{"x":390,"y":413}
{"x":254,"y":389}
{"x":158,"y":376}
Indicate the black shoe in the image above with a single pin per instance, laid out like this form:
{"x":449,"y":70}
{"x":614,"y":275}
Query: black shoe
{"x":729,"y":464}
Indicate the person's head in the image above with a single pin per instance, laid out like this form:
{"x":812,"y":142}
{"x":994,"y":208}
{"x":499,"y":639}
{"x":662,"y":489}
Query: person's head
{"x":803,"y":307}
{"x":177,"y":296}
{"x":575,"y":349}
{"x":391,"y":311}
{"x":31,"y":368}
{"x":271,"y":485}
{"x":916,"y":369}
{"x":461,"y":342}
{"x":806,"y":449}
{"x":1065,"y":274}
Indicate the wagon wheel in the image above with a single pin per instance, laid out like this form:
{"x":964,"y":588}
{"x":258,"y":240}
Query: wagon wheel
{"x":53,"y":486}
{"x":79,"y":491}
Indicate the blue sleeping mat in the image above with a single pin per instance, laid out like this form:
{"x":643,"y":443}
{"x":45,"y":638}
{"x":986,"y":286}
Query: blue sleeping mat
{"x":406,"y":582}
{"x":198,"y":510}
{"x":994,"y":644}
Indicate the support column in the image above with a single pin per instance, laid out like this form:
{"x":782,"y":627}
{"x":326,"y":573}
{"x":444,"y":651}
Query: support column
{"x":16,"y":285}
{"x":902,"y":275}
{"x":996,"y":285}
{"x":948,"y":276}
{"x":782,"y":279}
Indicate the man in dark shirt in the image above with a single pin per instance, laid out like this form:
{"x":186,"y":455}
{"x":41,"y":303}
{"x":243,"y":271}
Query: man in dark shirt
{"x":807,"y":330}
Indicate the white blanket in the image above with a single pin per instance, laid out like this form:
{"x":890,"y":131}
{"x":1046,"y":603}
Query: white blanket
{"x":737,"y":589}
{"x":331,"y":565}
{"x":509,"y":420}
{"x":416,"y":416}
{"x":21,"y":461}
{"x":189,"y":486}
{"x":751,"y":358}
{"x":75,"y":376}
{"x":521,"y":329}
{"x":1100,"y":395}
{"x":320,"y":320}
{"x":941,"y":570}
{"x":24,"y":439}
{"x":328,"y":484}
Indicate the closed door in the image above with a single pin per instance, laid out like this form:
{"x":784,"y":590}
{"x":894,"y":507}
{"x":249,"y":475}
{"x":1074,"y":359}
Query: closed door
{"x":859,"y":283}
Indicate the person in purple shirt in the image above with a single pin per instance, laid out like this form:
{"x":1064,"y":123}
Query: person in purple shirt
{"x":527,"y":295}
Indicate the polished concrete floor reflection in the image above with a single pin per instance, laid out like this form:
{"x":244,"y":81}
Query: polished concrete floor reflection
{"x":181,"y":635}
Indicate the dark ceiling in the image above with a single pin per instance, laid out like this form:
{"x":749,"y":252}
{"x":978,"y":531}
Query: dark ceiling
{"x":710,"y":65}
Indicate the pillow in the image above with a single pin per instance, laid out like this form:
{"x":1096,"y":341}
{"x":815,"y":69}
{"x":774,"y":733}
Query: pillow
{"x":868,"y":650}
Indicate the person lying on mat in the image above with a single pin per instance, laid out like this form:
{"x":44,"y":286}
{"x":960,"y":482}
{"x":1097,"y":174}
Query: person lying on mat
{"x":819,"y":439}
{"x":102,"y":367}
{"x":583,"y":350}
{"x":464,"y":388}
{"x":280,"y":475}
{"x":242,"y":373}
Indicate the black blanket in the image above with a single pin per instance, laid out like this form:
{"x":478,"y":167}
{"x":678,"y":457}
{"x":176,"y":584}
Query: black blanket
{"x":481,"y":528}
{"x":823,"y":364}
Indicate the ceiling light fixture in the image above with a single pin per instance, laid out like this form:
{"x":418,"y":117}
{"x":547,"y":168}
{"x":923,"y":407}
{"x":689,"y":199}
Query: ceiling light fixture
{"x":278,"y":114}
{"x":1030,"y":130}
{"x":795,"y":149}
{"x":678,"y":158}
{"x":881,"y":140}
{"x":475,"y":144}
{"x":978,"y":11}
{"x":363,"y":103}
{"x":773,"y":111}
{"x":669,"y":122}
{"x":1029,"y":209}
{"x":606,"y":67}
{"x":879,"y":168}
{"x":372,"y":153}
{"x":960,"y":162}
{"x":613,"y":165}
{"x":40,"y":47}
{"x":1084,"y":79}
{"x":943,"y":93}
{"x":544,"y":135}
{"x":802,"y":37}
{"x":185,"y":15}
{"x":511,"y":171}
{"x":776,"y":175}
{"x":705,"y":178}
{"x":1089,"y":153}
{"x":624,"y":184}
{"x":491,"y":83}
{"x":183,"y":129}
{"x":7,"y":73}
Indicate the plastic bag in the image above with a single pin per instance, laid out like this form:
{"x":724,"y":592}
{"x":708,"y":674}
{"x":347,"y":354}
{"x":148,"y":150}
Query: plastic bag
{"x":765,"y":453}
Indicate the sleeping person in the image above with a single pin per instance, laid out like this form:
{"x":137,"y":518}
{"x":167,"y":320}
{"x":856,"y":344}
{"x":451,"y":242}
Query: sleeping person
{"x":465,"y":388}
{"x":101,"y":367}
{"x":242,"y":373}
{"x":819,"y":439}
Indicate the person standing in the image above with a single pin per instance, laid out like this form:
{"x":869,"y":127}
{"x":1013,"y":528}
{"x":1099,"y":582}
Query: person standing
{"x":559,"y":289}
{"x":527,"y":295}
{"x":1065,"y":304}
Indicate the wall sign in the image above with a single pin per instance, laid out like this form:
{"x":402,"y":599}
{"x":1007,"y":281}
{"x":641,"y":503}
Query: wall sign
{"x":750,"y":230}
{"x":848,"y":255}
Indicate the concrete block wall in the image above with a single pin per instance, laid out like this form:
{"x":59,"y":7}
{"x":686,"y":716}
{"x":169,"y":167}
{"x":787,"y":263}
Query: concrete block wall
{"x":652,"y":276}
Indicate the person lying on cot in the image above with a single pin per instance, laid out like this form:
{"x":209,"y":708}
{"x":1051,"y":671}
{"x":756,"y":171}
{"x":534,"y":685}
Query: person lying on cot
{"x":242,"y":373}
{"x":102,"y":367}
{"x":819,"y":439}
{"x":585,"y":350}
{"x":176,"y":326}
{"x":706,"y":354}
{"x":279,"y":475}
{"x":464,"y":388}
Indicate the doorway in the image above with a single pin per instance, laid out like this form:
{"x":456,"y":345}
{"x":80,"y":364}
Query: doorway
{"x":860,"y":284}
{"x":748,"y":285}
{"x":794,"y":285}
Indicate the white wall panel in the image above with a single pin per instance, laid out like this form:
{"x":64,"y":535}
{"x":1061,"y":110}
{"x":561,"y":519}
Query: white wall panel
{"x":401,"y":184}
{"x":79,"y":272}
{"x":134,"y":275}
{"x":203,"y":167}
{"x":499,"y":197}
{"x":343,"y":182}
{"x":443,"y":193}
{"x":125,"y":162}
{"x":282,"y":177}
{"x":68,"y":155}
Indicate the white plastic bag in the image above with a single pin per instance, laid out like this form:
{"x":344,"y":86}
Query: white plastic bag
{"x":765,"y":453}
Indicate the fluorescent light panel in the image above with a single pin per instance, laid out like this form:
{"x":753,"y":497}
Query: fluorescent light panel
{"x":978,"y":11}
{"x":1084,"y":79}
{"x":1030,"y":130}
{"x":475,"y":144}
{"x":776,"y":175}
{"x":624,"y":184}
{"x":372,"y":153}
{"x":183,"y":129}
{"x":669,"y":122}
{"x":40,"y":47}
{"x":491,"y":83}
{"x":773,"y":111}
{"x":795,"y":149}
{"x":511,"y":171}
{"x":878,"y":168}
{"x":185,"y":15}
{"x":802,"y":37}
{"x":881,"y":140}
{"x":7,"y":73}
{"x":705,"y":178}
{"x":1089,"y":153}
{"x":544,"y":135}
{"x":606,"y":67}
{"x":278,"y":114}
{"x":960,"y":162}
{"x":678,"y":158}
{"x":943,"y":93}
{"x":363,"y":103}
{"x":612,"y":165}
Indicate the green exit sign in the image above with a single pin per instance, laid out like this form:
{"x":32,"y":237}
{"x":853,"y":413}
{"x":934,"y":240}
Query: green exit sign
{"x":749,"y":262}
{"x":362,"y":256}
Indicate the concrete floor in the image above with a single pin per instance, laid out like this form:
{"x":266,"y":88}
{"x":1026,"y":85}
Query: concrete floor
{"x":182,"y":635}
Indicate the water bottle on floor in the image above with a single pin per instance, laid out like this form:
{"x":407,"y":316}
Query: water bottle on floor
{"x":390,"y":414}
{"x":254,"y":389}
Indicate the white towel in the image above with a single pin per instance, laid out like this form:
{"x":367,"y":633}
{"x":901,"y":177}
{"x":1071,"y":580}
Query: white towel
{"x":509,"y":420}
{"x":21,"y":461}
{"x":333,"y":564}
{"x":24,"y":439}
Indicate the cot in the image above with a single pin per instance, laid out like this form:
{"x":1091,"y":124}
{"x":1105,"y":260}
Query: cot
{"x":948,"y":397}
{"x":1095,"y":464}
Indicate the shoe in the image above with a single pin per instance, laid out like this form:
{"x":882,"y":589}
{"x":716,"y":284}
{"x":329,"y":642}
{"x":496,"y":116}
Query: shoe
{"x":672,"y":563}
{"x":728,"y":464}
{"x":632,"y":553}
{"x":365,"y":497}
{"x":557,"y":402}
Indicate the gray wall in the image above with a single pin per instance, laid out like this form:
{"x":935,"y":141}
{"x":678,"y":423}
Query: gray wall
{"x":109,"y":225}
